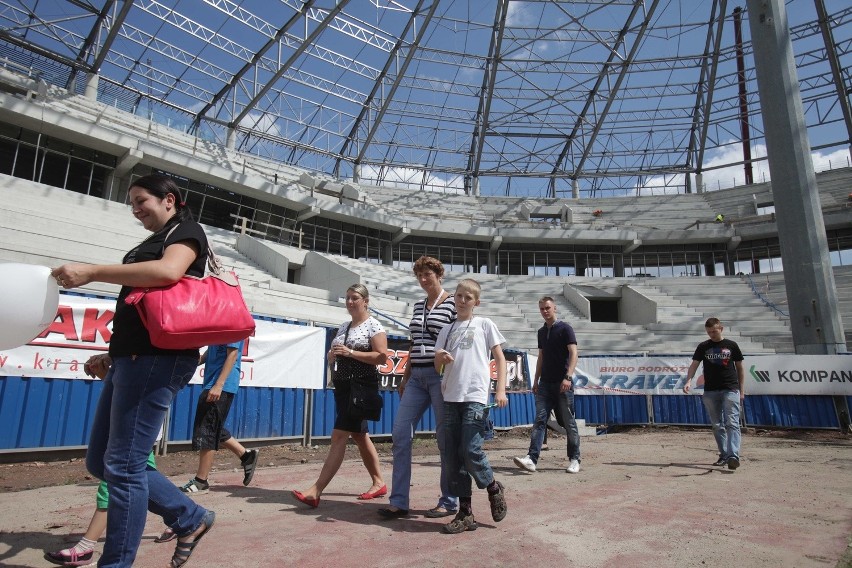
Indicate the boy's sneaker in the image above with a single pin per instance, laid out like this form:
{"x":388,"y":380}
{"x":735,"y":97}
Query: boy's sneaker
{"x":720,"y":462}
{"x":733,"y":462}
{"x":249,"y":461}
{"x":195,"y":487}
{"x":573,"y":466}
{"x":525,"y":463}
{"x":462,"y":522}
{"x":498,"y":503}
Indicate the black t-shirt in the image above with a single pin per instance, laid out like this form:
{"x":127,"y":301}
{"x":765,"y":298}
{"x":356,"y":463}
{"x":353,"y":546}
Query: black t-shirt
{"x":554,"y":342}
{"x":720,"y":373}
{"x":129,"y":336}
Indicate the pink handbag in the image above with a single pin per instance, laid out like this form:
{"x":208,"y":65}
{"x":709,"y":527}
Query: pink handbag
{"x":195,"y":312}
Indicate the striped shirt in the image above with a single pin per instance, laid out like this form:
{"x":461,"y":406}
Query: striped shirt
{"x":423,"y":339}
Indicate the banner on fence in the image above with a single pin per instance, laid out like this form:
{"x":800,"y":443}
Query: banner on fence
{"x":392,"y":371}
{"x":764,"y":375}
{"x":292,"y":356}
{"x":278,"y":355}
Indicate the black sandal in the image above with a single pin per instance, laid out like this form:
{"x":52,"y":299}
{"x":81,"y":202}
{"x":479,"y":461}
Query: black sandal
{"x":389,"y":513}
{"x":183,"y":550}
{"x":167,"y":535}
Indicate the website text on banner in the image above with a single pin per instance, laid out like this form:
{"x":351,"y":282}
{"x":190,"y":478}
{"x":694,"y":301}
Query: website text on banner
{"x":765,"y":375}
{"x":279,"y":355}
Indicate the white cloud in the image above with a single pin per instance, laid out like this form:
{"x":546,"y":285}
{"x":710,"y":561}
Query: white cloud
{"x":734,"y":175}
{"x":519,"y":14}
{"x":836,"y":159}
{"x":263,"y":122}
{"x":411,"y":179}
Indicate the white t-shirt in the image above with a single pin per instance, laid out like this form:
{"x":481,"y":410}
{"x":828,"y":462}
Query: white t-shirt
{"x":468,"y":377}
{"x":358,"y":338}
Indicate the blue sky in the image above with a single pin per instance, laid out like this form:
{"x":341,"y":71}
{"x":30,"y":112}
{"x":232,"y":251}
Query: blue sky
{"x":184,"y":52}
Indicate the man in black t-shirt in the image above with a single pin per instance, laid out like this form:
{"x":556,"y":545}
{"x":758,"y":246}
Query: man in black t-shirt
{"x":724,"y":379}
{"x":553,"y":386}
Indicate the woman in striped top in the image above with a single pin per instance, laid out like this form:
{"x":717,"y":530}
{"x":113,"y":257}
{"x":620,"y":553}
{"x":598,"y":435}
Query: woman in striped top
{"x":421,"y":387}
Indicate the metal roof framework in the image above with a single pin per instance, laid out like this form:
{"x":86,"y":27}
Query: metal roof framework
{"x":501,"y":97}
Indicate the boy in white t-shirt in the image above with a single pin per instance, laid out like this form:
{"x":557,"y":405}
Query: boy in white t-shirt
{"x":463,"y":353}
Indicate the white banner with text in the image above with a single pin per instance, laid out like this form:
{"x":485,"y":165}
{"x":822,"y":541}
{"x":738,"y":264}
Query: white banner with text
{"x":278,"y":355}
{"x":764,"y":374}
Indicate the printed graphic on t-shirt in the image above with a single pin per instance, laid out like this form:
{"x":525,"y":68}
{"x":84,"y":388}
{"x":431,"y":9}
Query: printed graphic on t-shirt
{"x":719,"y":357}
{"x":461,"y":338}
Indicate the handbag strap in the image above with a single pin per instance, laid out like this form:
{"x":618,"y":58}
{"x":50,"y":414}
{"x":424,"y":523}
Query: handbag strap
{"x":214,"y":264}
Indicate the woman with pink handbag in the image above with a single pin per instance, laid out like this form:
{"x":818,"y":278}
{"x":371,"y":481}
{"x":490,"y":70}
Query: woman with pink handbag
{"x":143,"y":379}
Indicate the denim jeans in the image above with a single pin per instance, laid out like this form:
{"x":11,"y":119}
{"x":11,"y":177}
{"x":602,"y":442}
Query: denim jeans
{"x":464,"y":427}
{"x":548,"y":398}
{"x":723,"y":408}
{"x":136,"y":394}
{"x":423,"y":388}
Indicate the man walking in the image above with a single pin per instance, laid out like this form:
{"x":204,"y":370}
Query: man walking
{"x":723,"y":389}
{"x":553,"y":386}
{"x":221,"y":381}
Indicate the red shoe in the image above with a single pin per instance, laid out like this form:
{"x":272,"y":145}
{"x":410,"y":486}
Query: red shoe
{"x":380,"y":492}
{"x":309,"y":501}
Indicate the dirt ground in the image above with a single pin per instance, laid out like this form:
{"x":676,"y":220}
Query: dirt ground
{"x":645,"y":498}
{"x":66,"y":471}
{"x":35,"y":474}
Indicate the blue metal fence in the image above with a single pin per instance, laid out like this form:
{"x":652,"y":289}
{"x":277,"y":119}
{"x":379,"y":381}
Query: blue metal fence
{"x":37,"y":413}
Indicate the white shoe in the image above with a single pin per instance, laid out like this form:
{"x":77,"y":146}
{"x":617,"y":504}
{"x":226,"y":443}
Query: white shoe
{"x":573,"y":467}
{"x":525,"y":463}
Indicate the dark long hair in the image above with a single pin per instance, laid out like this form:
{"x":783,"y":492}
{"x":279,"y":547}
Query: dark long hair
{"x":160,"y":186}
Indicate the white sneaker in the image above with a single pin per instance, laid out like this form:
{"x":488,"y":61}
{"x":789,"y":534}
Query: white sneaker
{"x":525,"y":463}
{"x":573,"y":467}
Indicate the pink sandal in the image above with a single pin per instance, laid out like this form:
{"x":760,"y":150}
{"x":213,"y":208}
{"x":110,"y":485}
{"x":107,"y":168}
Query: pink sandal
{"x":70,"y":557}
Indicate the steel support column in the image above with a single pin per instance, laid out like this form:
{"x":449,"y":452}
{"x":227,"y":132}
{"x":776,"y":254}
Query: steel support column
{"x":811,"y":293}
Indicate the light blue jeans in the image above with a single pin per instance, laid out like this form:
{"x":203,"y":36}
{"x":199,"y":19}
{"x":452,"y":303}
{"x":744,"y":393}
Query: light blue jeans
{"x":136,"y":394}
{"x":423,"y":388}
{"x":465,"y":424}
{"x":723,"y":408}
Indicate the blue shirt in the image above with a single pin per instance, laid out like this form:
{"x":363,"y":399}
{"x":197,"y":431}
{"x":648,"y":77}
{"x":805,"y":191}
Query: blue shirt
{"x":216,"y":361}
{"x":553,"y":343}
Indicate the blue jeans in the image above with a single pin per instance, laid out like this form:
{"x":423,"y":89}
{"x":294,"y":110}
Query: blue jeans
{"x":423,"y":388}
{"x":723,"y":408}
{"x":136,"y":395}
{"x":548,"y":398}
{"x":465,"y":424}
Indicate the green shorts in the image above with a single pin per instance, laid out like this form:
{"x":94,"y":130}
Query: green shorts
{"x":102,"y":497}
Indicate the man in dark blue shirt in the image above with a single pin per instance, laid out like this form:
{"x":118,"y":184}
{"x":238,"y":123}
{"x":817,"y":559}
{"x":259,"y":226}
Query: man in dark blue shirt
{"x":553,"y":386}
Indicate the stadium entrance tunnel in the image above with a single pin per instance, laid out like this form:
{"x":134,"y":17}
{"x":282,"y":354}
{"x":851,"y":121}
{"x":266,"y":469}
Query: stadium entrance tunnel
{"x":604,"y":310}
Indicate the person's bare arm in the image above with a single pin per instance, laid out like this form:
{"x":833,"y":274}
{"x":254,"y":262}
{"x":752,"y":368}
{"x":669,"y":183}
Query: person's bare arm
{"x":689,"y":374}
{"x":568,"y":380}
{"x":176,"y":260}
{"x":215,"y":392}
{"x":741,"y":377}
{"x":500,"y":360}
